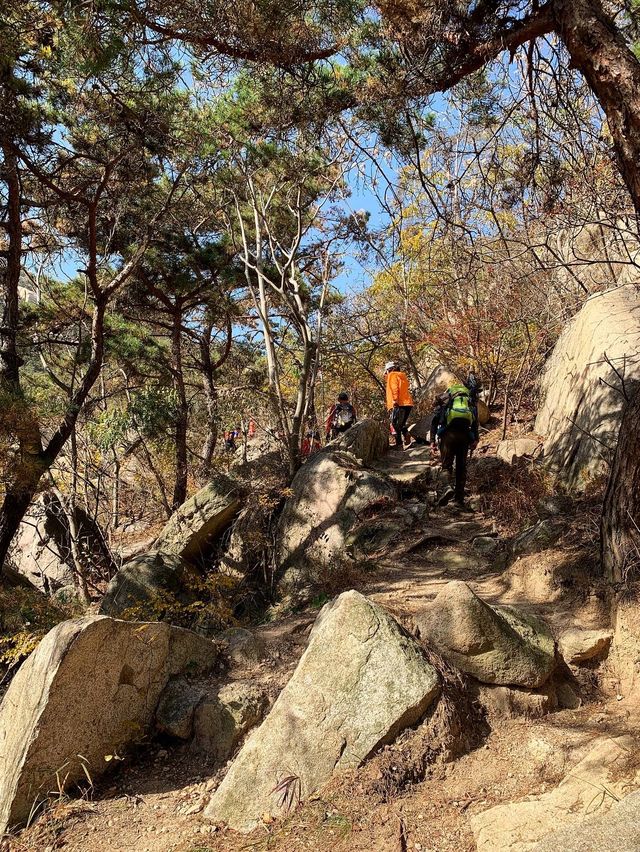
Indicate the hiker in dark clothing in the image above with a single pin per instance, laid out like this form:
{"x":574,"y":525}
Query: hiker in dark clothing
{"x":455,"y":426}
{"x":342,"y":415}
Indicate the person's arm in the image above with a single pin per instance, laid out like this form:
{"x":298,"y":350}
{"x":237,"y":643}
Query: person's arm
{"x":394,"y":384}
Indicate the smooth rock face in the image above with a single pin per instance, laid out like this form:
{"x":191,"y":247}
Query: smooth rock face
{"x":88,"y":691}
{"x":496,"y":645}
{"x":580,"y":413}
{"x":617,"y":830}
{"x":330,"y":491}
{"x":360,"y":681}
{"x":146,"y":577}
{"x":221,"y":721}
{"x":514,"y":449}
{"x":192,"y":529}
{"x":519,"y":826}
{"x":539,"y":537}
{"x":578,"y":646}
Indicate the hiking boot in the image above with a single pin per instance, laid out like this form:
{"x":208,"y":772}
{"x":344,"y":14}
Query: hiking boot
{"x":445,"y":497}
{"x":464,"y":507}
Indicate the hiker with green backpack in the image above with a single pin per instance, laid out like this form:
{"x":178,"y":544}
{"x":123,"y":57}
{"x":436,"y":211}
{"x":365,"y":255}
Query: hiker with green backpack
{"x":455,"y":426}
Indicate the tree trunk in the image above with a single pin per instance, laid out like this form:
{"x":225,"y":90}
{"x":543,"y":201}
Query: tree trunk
{"x":620,"y":525}
{"x":611,"y":69}
{"x":182,"y":417}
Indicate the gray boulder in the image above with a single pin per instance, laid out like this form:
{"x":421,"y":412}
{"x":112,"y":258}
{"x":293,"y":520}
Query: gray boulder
{"x":360,"y":681}
{"x":222,"y":720}
{"x":195,"y":526}
{"x":329,"y":494}
{"x":243,"y":646}
{"x":581,"y":404}
{"x":146,"y":577}
{"x":539,"y":537}
{"x":88,"y":691}
{"x":176,"y":708}
{"x":367,"y":441}
{"x":496,"y":645}
{"x":512,"y":450}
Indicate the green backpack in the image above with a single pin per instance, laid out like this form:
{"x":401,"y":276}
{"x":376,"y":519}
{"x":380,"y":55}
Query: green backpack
{"x":459,"y":406}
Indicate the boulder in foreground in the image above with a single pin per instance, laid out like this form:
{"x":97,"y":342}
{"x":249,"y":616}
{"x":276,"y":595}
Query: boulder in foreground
{"x":361,"y":680}
{"x":88,"y":691}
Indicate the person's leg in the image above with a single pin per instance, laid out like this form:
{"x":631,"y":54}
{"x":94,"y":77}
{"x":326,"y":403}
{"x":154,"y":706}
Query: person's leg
{"x":396,"y":419}
{"x":461,"y":452}
{"x":406,"y":409}
{"x":447,"y":453}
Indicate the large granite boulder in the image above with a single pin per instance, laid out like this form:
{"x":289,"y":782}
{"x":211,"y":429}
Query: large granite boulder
{"x":88,"y":691}
{"x":195,"y":526}
{"x":496,"y":645}
{"x":329,"y":493}
{"x":361,"y":680}
{"x":41,"y":550}
{"x":581,"y":400}
{"x":148,"y":577}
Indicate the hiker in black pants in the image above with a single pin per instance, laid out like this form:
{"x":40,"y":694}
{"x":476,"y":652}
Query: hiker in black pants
{"x":455,"y":424}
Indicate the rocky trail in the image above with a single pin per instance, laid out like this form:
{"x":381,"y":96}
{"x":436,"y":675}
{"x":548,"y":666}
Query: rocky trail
{"x":519,"y":771}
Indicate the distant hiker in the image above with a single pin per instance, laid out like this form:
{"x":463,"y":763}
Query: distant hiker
{"x":399,"y":401}
{"x":310,"y":442}
{"x":341,"y":416}
{"x":230,"y":440}
{"x":252,"y":428}
{"x":454,"y":429}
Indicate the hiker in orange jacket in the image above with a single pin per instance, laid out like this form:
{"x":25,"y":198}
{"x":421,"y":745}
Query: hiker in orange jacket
{"x":399,"y":401}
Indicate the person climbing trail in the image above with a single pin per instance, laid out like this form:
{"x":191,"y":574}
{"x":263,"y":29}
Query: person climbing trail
{"x":399,"y":402}
{"x":454,"y":431}
{"x":341,"y":416}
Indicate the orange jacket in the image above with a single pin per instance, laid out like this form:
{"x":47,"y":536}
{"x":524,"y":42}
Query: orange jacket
{"x":398,"y":389}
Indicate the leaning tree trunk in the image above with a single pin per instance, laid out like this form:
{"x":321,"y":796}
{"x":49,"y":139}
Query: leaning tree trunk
{"x":620,"y":525}
{"x":182,"y":414}
{"x":598,"y":50}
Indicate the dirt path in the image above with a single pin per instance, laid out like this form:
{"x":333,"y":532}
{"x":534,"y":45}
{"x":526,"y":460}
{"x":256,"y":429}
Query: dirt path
{"x":155,"y":802}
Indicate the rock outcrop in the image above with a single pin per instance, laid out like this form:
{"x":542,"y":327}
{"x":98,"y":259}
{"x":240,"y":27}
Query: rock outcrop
{"x":329,"y":493}
{"x":367,"y":441}
{"x":604,"y":774}
{"x":581,"y":400}
{"x":579,"y":646}
{"x":513,"y":450}
{"x":42,"y":552}
{"x":193,"y":528}
{"x":539,"y":537}
{"x":146,"y":577}
{"x":88,"y":691}
{"x":496,"y":645}
{"x":360,"y":681}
